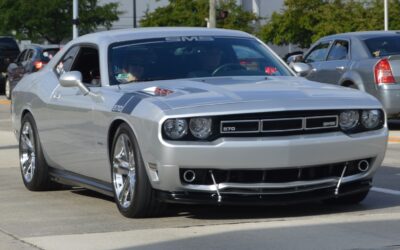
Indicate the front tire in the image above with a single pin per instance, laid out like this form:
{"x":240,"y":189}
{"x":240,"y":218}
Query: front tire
{"x":34,"y":169}
{"x":133,"y":193}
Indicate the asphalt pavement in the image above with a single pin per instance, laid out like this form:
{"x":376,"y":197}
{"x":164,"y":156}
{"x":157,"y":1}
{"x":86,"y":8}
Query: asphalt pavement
{"x":76,"y":218}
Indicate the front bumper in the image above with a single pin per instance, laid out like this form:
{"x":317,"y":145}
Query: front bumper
{"x":165,"y":161}
{"x":187,"y":197}
{"x":389,"y":95}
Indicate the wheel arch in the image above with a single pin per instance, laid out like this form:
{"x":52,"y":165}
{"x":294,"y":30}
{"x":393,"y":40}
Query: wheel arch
{"x":111,"y":133}
{"x":352,"y":78}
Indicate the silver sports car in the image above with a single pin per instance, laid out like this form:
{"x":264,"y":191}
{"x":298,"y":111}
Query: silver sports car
{"x":193,"y":115}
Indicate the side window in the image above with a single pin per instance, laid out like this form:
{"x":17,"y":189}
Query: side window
{"x":318,"y":53}
{"x":339,"y":51}
{"x":30,"y":55}
{"x":87,"y":62}
{"x":21,"y":56}
{"x":65,"y":63}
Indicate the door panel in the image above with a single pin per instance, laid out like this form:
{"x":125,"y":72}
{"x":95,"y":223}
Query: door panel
{"x":314,"y":58}
{"x":337,"y":62}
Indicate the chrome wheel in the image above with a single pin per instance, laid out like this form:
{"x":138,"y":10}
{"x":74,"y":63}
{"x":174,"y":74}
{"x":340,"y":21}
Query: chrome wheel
{"x":8,"y":89}
{"x":124,"y":171}
{"x":27,"y":154}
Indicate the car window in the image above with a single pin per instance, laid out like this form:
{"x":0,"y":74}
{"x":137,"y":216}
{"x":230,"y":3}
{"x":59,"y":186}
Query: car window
{"x":30,"y":54}
{"x":8,"y":44}
{"x":191,"y":57}
{"x":339,"y":50}
{"x":21,"y":56}
{"x":87,"y":62}
{"x":318,"y":53}
{"x":252,"y":60}
{"x":383,"y":46}
{"x":65,"y":63}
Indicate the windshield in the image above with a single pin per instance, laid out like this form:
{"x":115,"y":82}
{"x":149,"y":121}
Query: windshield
{"x":190,"y":57}
{"x":383,"y":46}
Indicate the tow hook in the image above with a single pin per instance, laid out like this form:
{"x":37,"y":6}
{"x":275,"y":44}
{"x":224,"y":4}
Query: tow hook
{"x":340,"y":180}
{"x":216,"y":186}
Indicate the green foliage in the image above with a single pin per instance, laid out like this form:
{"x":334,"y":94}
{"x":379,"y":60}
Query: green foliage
{"x":52,"y":20}
{"x":193,"y":13}
{"x":305,"y":21}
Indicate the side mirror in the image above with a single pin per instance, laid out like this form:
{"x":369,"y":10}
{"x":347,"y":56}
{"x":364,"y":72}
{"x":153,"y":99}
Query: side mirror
{"x":73,"y":79}
{"x":302,"y":69}
{"x":295,"y":58}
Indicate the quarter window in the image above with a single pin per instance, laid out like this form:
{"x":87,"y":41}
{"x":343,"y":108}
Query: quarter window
{"x":66,"y":62}
{"x":318,"y":53}
{"x":339,"y":51}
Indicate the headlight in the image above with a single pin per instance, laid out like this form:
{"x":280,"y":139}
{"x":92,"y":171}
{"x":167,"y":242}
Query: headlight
{"x":175,"y":128}
{"x":371,"y":118}
{"x":349,"y":119}
{"x":200,"y":127}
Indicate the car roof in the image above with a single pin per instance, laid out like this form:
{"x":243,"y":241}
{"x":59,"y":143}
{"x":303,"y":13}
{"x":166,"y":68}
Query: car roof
{"x":41,"y":46}
{"x":159,"y":32}
{"x":362,"y":35}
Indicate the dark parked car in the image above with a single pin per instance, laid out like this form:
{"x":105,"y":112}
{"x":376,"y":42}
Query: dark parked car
{"x":9,"y":50}
{"x":368,"y":61}
{"x":31,"y":59}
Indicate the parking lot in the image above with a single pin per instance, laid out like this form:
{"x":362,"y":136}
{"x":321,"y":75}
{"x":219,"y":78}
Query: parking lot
{"x":81,"y":219}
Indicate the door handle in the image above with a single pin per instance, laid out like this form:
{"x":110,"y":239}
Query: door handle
{"x":340,"y":68}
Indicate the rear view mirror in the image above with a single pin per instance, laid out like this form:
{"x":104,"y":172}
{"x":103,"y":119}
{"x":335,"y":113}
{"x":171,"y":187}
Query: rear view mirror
{"x":302,"y":69}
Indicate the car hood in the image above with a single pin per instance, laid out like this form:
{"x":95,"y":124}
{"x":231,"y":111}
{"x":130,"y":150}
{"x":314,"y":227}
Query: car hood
{"x":271,"y":91}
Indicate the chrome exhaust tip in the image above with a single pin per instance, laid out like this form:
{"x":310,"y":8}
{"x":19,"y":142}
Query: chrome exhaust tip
{"x":363,"y":165}
{"x":189,"y":176}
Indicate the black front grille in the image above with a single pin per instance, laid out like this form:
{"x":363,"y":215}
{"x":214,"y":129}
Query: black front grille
{"x":203,"y":176}
{"x":279,"y":123}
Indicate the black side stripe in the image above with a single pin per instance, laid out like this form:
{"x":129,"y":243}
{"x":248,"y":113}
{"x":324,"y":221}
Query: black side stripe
{"x":127,"y":103}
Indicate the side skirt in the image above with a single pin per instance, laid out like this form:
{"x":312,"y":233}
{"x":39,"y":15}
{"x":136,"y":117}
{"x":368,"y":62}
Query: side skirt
{"x":73,"y":179}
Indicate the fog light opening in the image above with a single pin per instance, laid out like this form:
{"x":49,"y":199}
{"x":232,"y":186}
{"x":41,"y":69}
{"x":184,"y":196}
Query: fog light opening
{"x":189,"y":176}
{"x":363,"y":165}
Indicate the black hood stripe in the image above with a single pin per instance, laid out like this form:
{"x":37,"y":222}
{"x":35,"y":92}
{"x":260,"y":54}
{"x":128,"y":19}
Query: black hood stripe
{"x":127,"y":103}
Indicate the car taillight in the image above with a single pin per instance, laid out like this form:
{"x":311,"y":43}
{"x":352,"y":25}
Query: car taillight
{"x":383,"y":72}
{"x":38,"y":65}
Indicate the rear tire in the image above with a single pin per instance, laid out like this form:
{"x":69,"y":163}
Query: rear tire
{"x":133,"y":192}
{"x":34,"y":169}
{"x":348,"y":199}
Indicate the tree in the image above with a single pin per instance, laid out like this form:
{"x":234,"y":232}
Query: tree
{"x":193,"y":13}
{"x":303,"y":22}
{"x":52,"y":20}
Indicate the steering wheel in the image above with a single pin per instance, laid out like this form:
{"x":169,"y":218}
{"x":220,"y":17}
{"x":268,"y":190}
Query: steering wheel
{"x":226,"y":67}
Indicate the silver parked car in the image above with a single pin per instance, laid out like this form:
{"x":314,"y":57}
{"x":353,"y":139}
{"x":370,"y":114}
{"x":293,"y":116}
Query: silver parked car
{"x":368,"y":61}
{"x":193,"y":115}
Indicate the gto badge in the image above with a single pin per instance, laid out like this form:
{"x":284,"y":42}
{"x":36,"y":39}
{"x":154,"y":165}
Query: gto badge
{"x":329,"y":124}
{"x":229,"y":129}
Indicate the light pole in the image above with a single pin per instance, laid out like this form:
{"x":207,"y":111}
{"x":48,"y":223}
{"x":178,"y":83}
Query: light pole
{"x":386,"y":7}
{"x":134,"y":14}
{"x":75,"y":19}
{"x":212,"y":19}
